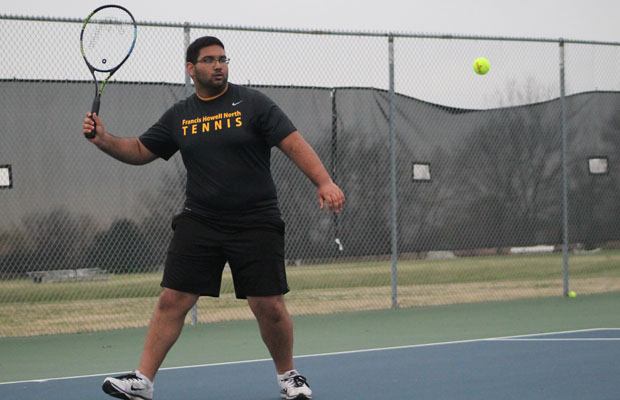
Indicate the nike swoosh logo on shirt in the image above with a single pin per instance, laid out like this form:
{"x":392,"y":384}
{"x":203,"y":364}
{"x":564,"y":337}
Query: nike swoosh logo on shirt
{"x":237,"y":103}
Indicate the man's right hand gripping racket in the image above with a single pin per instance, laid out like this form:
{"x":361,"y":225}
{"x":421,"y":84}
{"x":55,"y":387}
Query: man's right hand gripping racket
{"x":107,"y":39}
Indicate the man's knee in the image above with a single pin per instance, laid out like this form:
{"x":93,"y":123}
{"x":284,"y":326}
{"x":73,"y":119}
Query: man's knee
{"x":269,"y":308}
{"x":174,"y":301}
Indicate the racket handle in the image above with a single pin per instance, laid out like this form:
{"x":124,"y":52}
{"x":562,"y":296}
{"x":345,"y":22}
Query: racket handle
{"x":94,"y":109}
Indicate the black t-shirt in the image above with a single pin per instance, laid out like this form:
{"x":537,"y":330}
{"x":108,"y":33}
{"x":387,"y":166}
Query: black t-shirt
{"x":226,"y":145}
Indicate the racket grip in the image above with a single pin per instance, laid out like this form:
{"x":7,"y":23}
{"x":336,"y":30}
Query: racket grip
{"x":94,"y":109}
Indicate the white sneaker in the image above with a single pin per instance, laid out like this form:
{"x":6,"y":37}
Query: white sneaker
{"x":133,"y":386}
{"x":294,"y":387}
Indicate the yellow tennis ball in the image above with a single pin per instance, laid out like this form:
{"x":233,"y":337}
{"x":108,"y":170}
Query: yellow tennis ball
{"x":481,"y":66}
{"x":572,"y":295}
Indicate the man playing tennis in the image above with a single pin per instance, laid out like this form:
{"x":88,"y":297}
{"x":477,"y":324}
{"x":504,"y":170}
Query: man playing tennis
{"x":224,"y":133}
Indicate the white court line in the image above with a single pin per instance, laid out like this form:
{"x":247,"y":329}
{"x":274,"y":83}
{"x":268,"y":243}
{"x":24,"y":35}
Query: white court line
{"x":557,"y":340}
{"x":504,"y":338}
{"x":523,"y":337}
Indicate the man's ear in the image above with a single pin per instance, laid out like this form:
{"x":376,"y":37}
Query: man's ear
{"x":191,"y":69}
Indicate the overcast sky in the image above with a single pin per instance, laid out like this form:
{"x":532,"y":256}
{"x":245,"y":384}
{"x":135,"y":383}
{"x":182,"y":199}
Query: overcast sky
{"x":569,"y":19}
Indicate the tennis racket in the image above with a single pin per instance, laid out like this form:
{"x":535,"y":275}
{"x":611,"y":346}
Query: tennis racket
{"x":107,"y":39}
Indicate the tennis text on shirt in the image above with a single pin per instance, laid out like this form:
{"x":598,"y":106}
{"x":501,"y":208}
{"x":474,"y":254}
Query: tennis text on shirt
{"x":212,"y":123}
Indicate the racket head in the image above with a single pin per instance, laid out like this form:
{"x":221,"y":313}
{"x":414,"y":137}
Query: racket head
{"x":108,"y":37}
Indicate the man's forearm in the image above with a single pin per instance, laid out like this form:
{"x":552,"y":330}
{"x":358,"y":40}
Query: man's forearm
{"x":127,"y":150}
{"x":306,"y":159}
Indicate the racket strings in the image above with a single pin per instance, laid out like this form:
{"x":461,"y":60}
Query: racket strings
{"x":108,"y":38}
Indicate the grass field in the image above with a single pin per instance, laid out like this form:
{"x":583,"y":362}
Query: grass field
{"x":123,"y":301}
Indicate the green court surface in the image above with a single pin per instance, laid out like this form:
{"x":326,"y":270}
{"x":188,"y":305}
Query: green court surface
{"x":45,"y":357}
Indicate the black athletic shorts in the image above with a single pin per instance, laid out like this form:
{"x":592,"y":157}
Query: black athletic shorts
{"x":200,"y":249}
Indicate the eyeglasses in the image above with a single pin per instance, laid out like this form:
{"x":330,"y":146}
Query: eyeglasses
{"x":209,"y":60}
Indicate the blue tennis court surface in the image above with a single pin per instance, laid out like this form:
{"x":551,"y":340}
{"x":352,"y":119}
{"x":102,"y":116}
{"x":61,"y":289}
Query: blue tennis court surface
{"x":563,"y":365}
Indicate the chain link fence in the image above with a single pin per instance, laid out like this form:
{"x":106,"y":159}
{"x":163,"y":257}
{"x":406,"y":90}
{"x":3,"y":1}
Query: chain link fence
{"x":460,"y":188}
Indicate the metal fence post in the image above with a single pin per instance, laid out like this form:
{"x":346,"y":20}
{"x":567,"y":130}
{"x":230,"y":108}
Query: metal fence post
{"x":188,"y":90}
{"x":564,"y":170}
{"x":392,"y":132}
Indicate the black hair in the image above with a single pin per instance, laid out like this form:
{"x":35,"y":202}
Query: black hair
{"x":198,"y":44}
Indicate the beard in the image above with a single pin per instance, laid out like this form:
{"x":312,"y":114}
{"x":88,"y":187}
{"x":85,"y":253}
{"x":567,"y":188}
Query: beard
{"x":211,"y":83}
